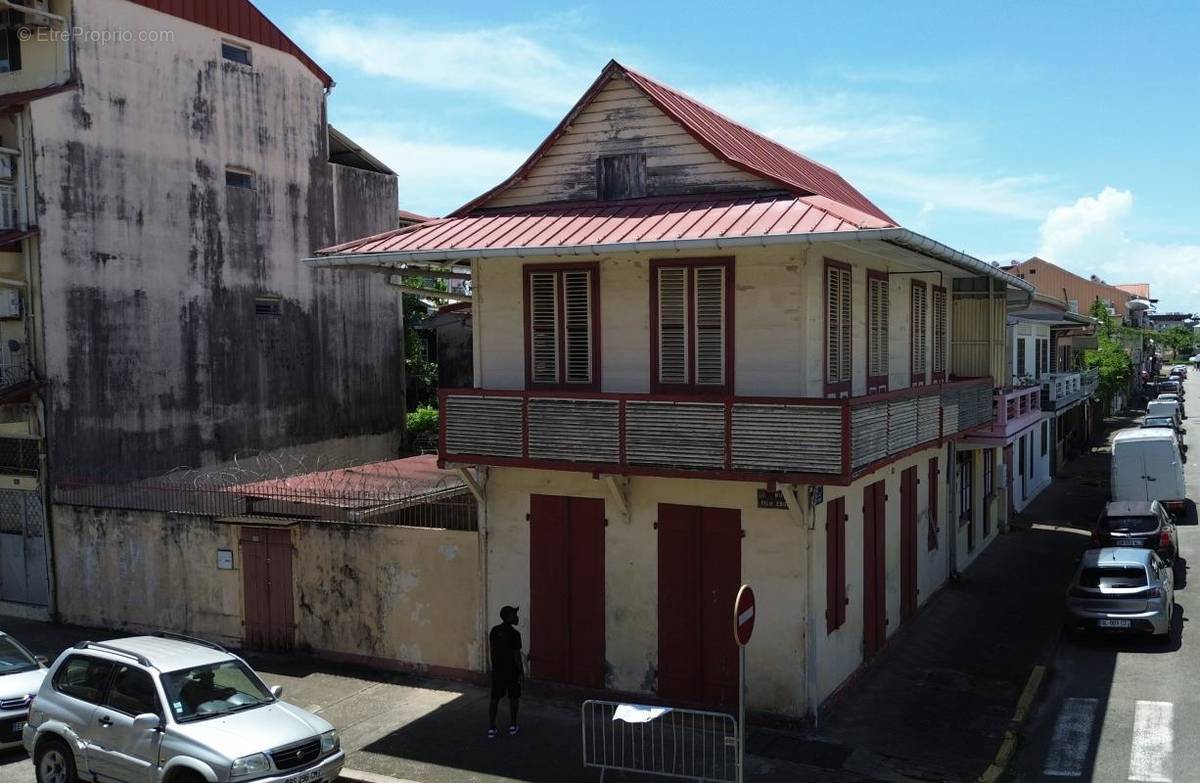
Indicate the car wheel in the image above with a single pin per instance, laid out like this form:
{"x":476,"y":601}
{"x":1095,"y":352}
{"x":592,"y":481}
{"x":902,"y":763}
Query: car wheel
{"x":55,"y":763}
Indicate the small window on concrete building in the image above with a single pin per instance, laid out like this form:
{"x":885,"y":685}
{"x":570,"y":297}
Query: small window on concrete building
{"x":268,"y":306}
{"x":621,"y":176}
{"x":239,"y":178}
{"x":235,"y":53}
{"x":10,"y":47}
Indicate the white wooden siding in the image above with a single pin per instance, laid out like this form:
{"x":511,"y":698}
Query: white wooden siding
{"x":620,"y":119}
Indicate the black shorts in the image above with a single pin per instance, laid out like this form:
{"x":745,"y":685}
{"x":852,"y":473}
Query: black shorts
{"x":502,"y":686}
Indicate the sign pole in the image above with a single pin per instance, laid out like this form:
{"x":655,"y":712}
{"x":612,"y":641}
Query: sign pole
{"x":741,"y":762}
{"x":743,"y":627}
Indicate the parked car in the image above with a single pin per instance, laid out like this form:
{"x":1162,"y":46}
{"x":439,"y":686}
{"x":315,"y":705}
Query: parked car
{"x":168,"y":708}
{"x":1166,"y":422}
{"x":1180,"y":369}
{"x":1147,"y":465}
{"x":21,"y":674}
{"x":1119,"y":589}
{"x":1160,"y":408}
{"x":1138,"y":524}
{"x":1170,"y":387}
{"x":1173,"y":397}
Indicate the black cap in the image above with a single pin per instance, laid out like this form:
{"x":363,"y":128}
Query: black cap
{"x":508,"y":610}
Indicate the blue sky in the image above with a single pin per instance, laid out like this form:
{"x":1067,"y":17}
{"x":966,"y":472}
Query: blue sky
{"x":1006,"y":129}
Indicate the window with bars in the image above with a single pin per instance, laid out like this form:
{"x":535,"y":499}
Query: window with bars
{"x":878,"y":307}
{"x":562,"y":326}
{"x":691,"y":301}
{"x":920,"y":331}
{"x":939,"y":333}
{"x":1021,"y":369}
{"x":838,"y":362}
{"x":966,"y":486}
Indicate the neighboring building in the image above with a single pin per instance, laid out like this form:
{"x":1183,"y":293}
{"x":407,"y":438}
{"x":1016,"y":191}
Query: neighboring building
{"x":157,"y":196}
{"x":452,"y":347}
{"x":406,"y":218}
{"x":1161,"y":322}
{"x":702,"y":359}
{"x":1079,"y":292}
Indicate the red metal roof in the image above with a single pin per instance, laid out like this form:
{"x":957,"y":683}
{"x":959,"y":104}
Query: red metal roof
{"x":611,"y":222}
{"x":728,"y":140}
{"x":395,"y":479}
{"x":240,"y":19}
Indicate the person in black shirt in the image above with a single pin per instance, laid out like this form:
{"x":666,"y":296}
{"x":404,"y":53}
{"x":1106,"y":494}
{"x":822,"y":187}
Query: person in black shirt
{"x":507,"y":669}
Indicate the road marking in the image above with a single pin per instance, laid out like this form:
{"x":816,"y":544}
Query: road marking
{"x":1153,"y":738}
{"x":1072,"y":737}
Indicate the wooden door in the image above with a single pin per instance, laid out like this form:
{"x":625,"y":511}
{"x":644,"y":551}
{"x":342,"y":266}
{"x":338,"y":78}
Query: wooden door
{"x":268,"y":600}
{"x":874,"y":568}
{"x":1008,"y":478}
{"x":699,"y":572}
{"x":908,"y":543}
{"x":566,"y":589}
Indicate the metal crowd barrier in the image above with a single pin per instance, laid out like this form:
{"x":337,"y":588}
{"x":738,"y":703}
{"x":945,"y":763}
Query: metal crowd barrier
{"x":688,"y":744}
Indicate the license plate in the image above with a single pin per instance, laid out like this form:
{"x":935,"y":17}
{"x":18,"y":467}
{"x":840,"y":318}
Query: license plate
{"x":1114,"y":623}
{"x":312,"y":774}
{"x":19,"y":725}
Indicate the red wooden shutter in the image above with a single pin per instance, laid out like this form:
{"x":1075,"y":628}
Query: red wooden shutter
{"x":672,"y":325}
{"x":549,"y":612}
{"x":878,"y":307}
{"x":920,"y":330}
{"x":710,"y":294}
{"x":939,"y":333}
{"x":935,"y":521}
{"x":837,"y":319}
{"x":543,"y":327}
{"x":835,"y":564}
{"x":577,"y":319}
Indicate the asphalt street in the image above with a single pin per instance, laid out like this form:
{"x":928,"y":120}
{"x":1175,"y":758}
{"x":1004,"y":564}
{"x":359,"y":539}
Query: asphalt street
{"x":1123,"y":709}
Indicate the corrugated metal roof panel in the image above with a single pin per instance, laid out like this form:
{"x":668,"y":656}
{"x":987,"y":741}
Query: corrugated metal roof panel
{"x":565,"y":225}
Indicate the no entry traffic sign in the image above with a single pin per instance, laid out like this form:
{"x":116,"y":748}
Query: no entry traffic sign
{"x":743,"y":616}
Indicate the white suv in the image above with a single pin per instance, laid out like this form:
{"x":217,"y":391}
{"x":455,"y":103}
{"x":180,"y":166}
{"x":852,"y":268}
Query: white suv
{"x":171,"y":709}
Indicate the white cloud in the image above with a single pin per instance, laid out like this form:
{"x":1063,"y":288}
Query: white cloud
{"x":1017,"y":197}
{"x":524,"y":67}
{"x":1094,"y":236}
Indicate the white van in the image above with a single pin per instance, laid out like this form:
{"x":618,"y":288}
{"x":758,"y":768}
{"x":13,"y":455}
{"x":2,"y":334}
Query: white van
{"x":1147,"y":465}
{"x":1170,"y":408}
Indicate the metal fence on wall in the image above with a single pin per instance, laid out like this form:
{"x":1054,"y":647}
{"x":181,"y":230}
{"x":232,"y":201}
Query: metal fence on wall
{"x":317,"y":489}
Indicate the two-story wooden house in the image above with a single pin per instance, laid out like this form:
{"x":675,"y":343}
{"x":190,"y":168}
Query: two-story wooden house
{"x":701,"y":360}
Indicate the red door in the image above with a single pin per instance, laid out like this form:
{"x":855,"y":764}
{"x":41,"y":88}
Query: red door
{"x":267,"y":588}
{"x":874,"y":568}
{"x":699,"y":572}
{"x":908,"y":543}
{"x":566,"y":587}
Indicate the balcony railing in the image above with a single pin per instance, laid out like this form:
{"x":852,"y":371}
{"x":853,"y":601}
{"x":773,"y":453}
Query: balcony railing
{"x":9,"y":218}
{"x":1014,"y":409}
{"x":1060,"y":390}
{"x":803,"y":440}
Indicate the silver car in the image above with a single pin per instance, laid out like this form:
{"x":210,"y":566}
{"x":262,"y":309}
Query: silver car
{"x":21,"y":674}
{"x":1121,"y":590}
{"x":173,"y":709}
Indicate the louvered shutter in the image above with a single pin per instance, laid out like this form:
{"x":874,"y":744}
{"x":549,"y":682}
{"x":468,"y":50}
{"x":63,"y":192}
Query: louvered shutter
{"x":577,"y":318}
{"x":672,"y":325}
{"x":837,"y":303}
{"x":710,"y":325}
{"x":543,"y":326}
{"x":920,"y":327}
{"x":877,"y":355}
{"x":939,"y":333}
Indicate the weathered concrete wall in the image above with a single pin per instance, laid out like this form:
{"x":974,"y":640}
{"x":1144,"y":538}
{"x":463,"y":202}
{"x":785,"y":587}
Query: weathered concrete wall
{"x":151,"y":264}
{"x":389,"y":594}
{"x":380,"y":594}
{"x":118,"y":558}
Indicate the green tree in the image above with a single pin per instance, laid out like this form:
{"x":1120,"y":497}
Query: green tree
{"x":1180,"y":339}
{"x":1109,"y":357}
{"x":422,"y":373}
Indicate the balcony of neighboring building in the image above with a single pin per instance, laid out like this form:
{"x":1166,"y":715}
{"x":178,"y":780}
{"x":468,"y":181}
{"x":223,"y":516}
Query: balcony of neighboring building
{"x":1015,"y":409}
{"x":797,"y":440}
{"x":35,"y":52}
{"x":1060,"y":390}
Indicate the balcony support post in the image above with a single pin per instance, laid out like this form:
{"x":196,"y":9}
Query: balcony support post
{"x":477,"y":486}
{"x":618,"y":490}
{"x":795,"y":511}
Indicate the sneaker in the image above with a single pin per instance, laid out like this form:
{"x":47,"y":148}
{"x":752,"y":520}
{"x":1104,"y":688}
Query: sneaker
{"x":492,"y":734}
{"x":512,"y":731}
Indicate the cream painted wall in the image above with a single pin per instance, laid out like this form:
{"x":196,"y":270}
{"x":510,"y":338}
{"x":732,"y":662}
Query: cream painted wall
{"x":779,"y":320}
{"x":772,"y":561}
{"x":965,"y":557}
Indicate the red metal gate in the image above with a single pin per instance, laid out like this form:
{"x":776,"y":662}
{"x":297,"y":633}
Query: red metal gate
{"x":908,"y":543}
{"x":699,"y":572}
{"x":270,"y":622}
{"x":874,"y":568}
{"x":566,"y":586}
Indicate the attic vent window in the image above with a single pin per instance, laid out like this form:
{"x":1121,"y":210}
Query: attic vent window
{"x":234,"y":53}
{"x":621,"y":176}
{"x":268,"y":306}
{"x":239,"y":178}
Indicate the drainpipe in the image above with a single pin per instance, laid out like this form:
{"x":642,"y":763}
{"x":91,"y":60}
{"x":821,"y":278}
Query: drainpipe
{"x":952,"y":504}
{"x":810,"y":632}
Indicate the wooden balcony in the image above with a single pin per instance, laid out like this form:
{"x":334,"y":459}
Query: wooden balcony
{"x":797,"y":440}
{"x":1060,"y":390}
{"x":1015,"y":409}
